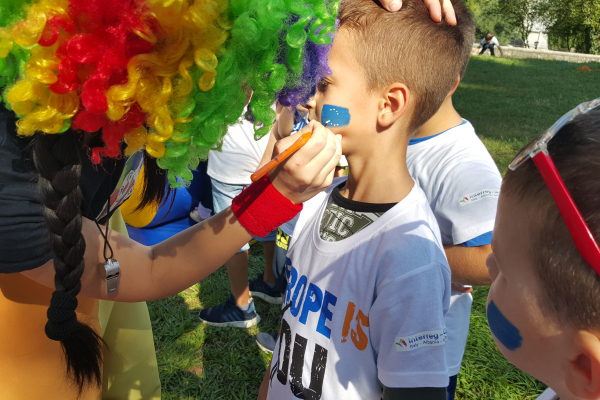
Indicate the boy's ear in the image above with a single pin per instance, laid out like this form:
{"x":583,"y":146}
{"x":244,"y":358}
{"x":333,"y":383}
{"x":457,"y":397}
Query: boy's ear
{"x":393,"y":105}
{"x":583,"y":374}
{"x":454,"y":87}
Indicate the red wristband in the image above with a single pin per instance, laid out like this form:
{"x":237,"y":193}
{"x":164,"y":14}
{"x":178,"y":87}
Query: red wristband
{"x":260,"y":208}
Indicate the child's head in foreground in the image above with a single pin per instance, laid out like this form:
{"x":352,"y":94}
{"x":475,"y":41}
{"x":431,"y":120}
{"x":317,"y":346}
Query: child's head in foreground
{"x":390,"y":71}
{"x":544,"y":302}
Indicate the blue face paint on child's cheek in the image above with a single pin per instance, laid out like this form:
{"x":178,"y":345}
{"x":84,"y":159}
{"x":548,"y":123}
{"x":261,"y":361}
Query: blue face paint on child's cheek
{"x":335,"y":116}
{"x":503,"y":329}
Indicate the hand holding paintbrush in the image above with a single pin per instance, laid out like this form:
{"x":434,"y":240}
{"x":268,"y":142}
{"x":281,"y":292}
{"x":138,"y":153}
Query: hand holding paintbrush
{"x":316,"y":148}
{"x":304,"y":138}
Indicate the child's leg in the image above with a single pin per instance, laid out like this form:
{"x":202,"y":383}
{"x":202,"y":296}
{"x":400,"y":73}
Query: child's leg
{"x":237,"y":270}
{"x":269,"y":249}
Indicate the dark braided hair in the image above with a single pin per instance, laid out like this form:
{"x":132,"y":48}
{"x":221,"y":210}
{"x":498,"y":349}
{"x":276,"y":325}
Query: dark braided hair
{"x":58,"y":162}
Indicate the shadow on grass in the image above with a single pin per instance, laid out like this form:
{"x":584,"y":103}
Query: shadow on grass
{"x":197,"y":361}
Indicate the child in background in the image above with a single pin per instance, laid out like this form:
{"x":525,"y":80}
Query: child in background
{"x":544,"y":302}
{"x":368,"y":283}
{"x":230,"y":171}
{"x":462,"y":184}
{"x":488,"y":42}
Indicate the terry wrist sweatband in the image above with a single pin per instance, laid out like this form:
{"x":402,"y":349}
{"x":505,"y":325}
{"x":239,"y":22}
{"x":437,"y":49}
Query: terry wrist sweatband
{"x":260,"y":208}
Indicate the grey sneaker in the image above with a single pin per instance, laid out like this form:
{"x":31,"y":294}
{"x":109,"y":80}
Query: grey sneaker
{"x":266,"y":341}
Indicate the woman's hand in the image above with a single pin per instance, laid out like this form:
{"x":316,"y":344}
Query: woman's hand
{"x":310,"y":169}
{"x":435,"y":9}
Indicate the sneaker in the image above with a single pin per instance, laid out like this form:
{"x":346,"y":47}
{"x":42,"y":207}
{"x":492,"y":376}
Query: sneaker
{"x":228,"y":314}
{"x":200,"y":213}
{"x":258,"y":288}
{"x":266,"y":341}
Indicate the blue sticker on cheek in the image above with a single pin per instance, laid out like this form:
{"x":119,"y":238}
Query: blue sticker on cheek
{"x":503,"y":329}
{"x":335,"y":116}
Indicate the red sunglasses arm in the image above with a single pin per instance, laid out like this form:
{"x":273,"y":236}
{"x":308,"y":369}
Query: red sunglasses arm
{"x":581,"y":234}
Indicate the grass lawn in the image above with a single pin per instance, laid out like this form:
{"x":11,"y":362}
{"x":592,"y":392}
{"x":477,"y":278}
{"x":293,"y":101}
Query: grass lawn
{"x":510,"y":102}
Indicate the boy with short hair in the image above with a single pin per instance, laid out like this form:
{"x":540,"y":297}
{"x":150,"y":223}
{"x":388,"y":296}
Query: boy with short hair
{"x":544,"y":302}
{"x":368,"y":283}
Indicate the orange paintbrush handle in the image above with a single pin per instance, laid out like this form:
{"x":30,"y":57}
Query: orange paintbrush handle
{"x":281,"y":156}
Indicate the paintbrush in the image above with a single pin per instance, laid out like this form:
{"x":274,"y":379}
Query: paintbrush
{"x":297,"y":145}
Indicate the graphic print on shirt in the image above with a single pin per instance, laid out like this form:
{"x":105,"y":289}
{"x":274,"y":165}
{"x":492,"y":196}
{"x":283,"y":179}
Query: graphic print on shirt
{"x":338,"y":223}
{"x":302,"y":298}
{"x":126,"y":183}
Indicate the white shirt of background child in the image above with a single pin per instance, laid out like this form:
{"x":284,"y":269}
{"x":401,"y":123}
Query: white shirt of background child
{"x":240,"y":155}
{"x":462,"y":183}
{"x":366,"y":309}
{"x":494,"y":41}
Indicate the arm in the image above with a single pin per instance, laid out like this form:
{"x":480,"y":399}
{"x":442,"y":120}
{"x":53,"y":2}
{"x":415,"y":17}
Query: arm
{"x":268,"y":154}
{"x":414,"y":394}
{"x":468,"y":264}
{"x":435,"y":8}
{"x":286,"y":122}
{"x":500,"y":48}
{"x":167,"y":268}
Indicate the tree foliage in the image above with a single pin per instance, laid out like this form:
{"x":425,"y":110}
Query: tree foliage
{"x":573,"y":24}
{"x":485,"y":13}
{"x":522,"y":14}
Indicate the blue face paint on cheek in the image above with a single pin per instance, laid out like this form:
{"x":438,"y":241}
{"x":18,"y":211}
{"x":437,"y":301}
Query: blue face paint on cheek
{"x":503,"y":329}
{"x":335,"y":116}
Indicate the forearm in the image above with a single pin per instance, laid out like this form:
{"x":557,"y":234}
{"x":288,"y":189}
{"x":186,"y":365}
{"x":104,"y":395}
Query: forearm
{"x":268,"y":154}
{"x":149,"y":273}
{"x":468,"y":264}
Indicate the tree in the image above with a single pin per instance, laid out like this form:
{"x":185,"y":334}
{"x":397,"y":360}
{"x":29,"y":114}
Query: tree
{"x":522,"y":14}
{"x":487,"y":19}
{"x":574,"y":23}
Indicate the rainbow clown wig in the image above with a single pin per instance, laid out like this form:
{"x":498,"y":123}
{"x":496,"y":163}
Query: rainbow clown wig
{"x":163,"y":76}
{"x":168,"y":76}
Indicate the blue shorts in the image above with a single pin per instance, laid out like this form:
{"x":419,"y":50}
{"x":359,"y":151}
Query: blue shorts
{"x":223,"y":194}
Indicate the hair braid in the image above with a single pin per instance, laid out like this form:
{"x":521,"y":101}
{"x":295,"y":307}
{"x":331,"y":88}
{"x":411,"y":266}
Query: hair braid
{"x":57,"y":160}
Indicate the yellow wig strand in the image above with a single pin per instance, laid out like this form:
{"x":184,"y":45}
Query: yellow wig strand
{"x":40,"y":109}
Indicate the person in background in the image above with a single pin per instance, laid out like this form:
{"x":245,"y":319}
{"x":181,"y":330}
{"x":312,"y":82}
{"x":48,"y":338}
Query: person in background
{"x":230,"y":170}
{"x":462,"y":184}
{"x":488,"y":42}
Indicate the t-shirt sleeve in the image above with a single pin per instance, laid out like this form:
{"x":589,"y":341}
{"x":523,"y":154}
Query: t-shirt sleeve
{"x":495,"y":41}
{"x":466,"y":206}
{"x":23,"y":234}
{"x":407,"y":329}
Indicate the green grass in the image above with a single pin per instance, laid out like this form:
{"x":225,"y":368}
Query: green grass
{"x":509,"y":102}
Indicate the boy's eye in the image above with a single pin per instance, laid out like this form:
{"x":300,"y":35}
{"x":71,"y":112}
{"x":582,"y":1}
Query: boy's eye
{"x":322,"y":85}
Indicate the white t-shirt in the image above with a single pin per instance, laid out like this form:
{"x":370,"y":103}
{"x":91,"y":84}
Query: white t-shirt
{"x":239,"y":157}
{"x":462,"y":183}
{"x":494,"y":41}
{"x":365,"y":309}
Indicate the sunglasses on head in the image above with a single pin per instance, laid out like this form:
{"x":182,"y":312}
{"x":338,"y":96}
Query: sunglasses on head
{"x":538,"y":152}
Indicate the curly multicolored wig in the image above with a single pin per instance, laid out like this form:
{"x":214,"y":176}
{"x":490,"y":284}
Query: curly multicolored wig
{"x":168,"y":76}
{"x":164,"y":76}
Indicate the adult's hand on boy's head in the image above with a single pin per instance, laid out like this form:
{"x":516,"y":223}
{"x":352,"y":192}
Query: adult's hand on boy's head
{"x":310,"y":169}
{"x":435,"y":9}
